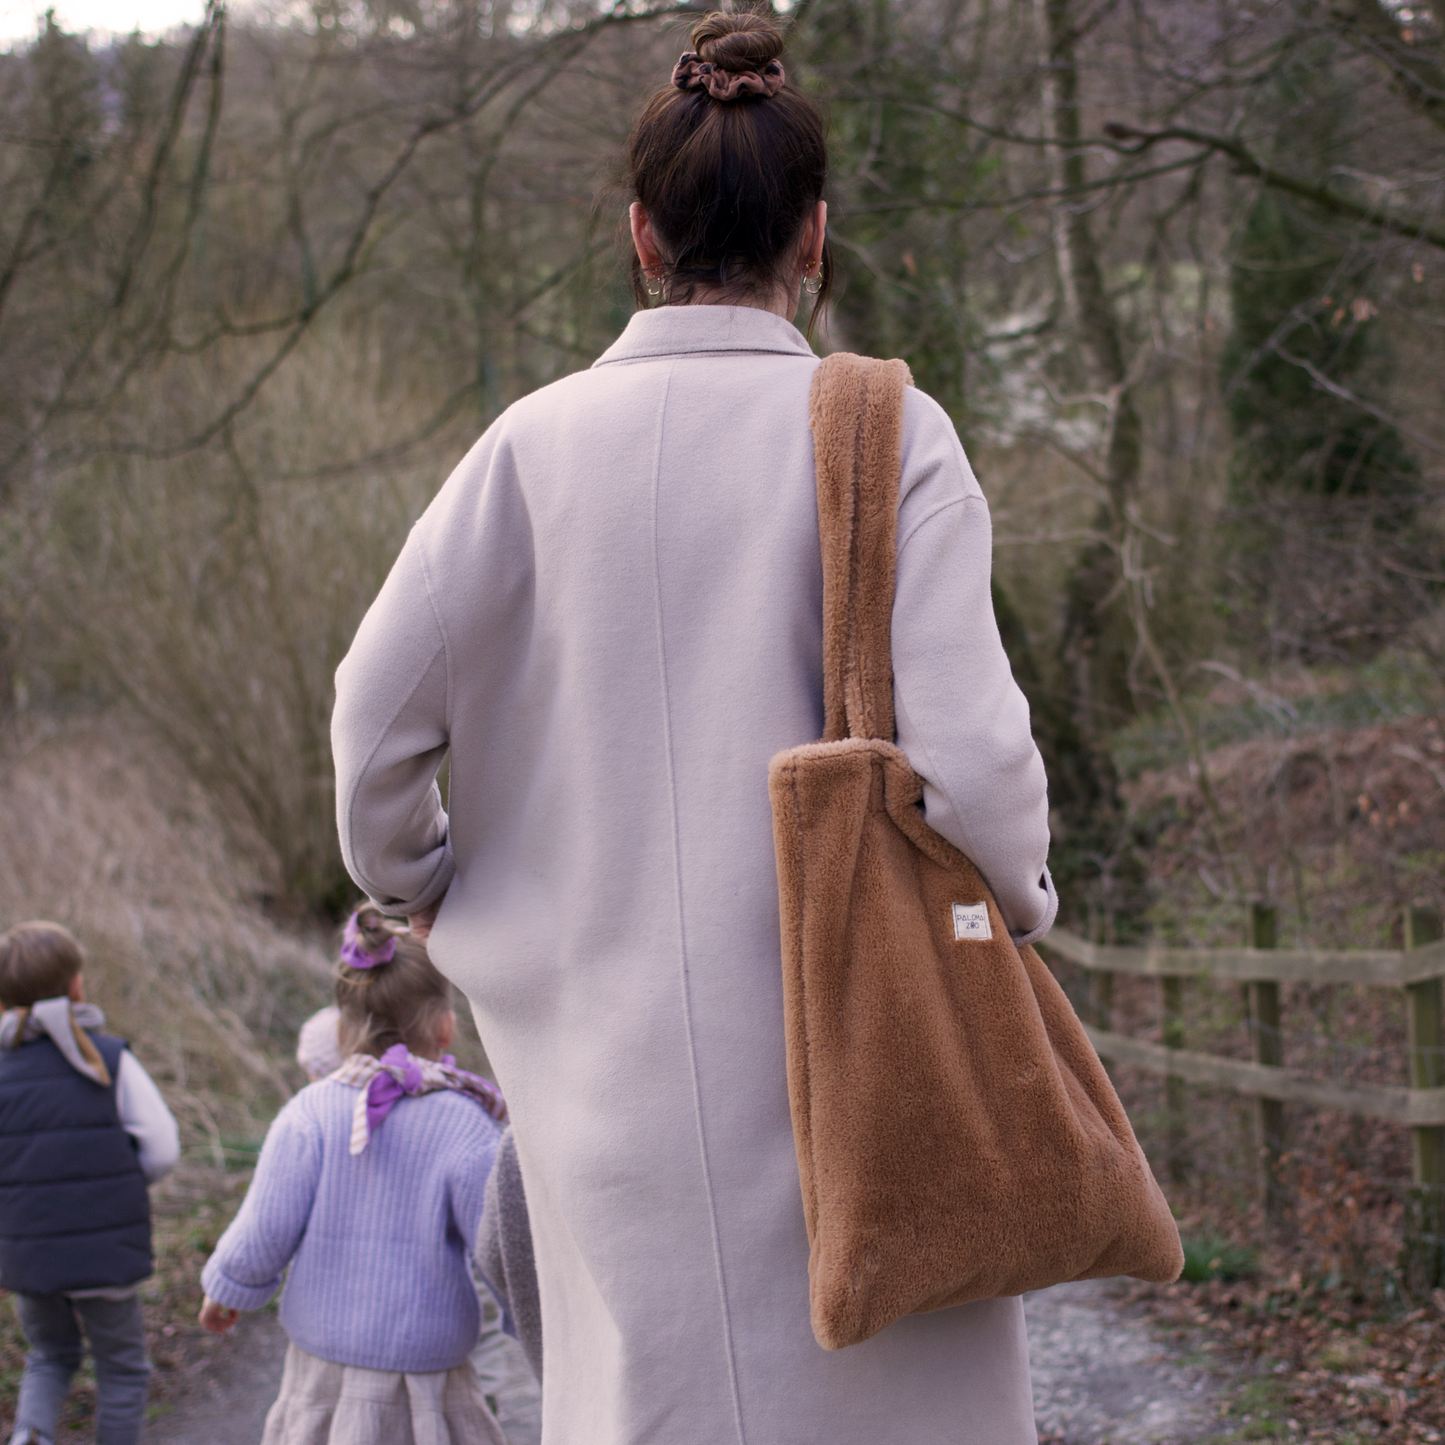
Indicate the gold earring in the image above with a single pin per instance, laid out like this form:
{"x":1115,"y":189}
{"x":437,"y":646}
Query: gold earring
{"x":653,"y":281}
{"x":813,"y":280}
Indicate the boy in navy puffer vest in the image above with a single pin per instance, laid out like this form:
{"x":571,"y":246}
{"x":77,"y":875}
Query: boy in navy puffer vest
{"x":83,"y":1130}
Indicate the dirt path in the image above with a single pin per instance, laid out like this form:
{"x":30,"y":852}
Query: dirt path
{"x":1102,"y":1376}
{"x":228,"y":1405}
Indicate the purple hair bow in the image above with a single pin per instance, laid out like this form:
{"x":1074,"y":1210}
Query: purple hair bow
{"x":385,"y":1088}
{"x":353,"y":947}
{"x":397,"y":1073}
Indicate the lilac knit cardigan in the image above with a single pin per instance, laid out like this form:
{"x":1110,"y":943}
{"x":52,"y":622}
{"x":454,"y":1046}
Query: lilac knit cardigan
{"x":378,"y":1243}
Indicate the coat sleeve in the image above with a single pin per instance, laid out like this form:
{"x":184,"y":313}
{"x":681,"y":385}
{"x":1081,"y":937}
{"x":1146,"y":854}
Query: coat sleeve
{"x":388,"y":737}
{"x":962,"y":719}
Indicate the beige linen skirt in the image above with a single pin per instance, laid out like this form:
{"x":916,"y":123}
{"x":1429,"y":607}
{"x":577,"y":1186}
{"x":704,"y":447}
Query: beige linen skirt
{"x":322,"y":1403}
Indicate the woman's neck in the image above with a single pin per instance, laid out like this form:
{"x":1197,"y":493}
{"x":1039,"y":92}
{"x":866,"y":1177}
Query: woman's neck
{"x":781,"y":302}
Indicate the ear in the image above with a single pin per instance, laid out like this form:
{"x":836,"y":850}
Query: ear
{"x":642,"y":237}
{"x":815,"y":233}
{"x":446,"y":1030}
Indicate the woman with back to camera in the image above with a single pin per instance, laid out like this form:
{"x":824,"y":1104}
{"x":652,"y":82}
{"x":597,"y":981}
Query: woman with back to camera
{"x":611,"y":616}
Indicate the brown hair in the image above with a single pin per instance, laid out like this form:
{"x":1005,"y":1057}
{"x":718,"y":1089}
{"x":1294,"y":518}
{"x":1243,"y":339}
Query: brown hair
{"x":396,"y":1002}
{"x":728,"y":185}
{"x":37,"y":961}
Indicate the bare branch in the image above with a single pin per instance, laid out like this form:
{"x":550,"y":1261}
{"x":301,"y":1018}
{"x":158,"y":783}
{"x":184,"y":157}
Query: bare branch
{"x":1415,"y":229}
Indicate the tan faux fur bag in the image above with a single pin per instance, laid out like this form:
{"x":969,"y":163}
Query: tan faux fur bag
{"x":957,"y":1136}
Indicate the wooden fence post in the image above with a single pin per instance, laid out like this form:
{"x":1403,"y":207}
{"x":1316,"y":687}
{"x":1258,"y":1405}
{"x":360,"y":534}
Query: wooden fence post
{"x":1424,"y":1254}
{"x":1171,"y":997}
{"x":1264,"y":1024}
{"x":1101,"y":987}
{"x":1101,"y":998}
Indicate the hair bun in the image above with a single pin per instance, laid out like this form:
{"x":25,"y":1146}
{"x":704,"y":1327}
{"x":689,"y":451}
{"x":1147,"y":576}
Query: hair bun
{"x":738,"y":41}
{"x":367,"y":939}
{"x":372,"y":924}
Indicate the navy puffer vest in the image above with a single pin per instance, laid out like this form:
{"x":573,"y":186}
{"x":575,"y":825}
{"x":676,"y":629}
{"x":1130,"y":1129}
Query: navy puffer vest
{"x":74,"y":1212}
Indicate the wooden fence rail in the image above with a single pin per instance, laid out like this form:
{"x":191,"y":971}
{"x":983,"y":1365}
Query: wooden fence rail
{"x":1387,"y":968}
{"x":1417,"y":970}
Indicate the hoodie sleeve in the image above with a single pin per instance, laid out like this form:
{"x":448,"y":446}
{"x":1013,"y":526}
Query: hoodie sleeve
{"x":145,"y":1117}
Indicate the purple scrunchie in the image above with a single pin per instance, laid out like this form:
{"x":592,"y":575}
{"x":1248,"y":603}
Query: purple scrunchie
{"x":353,"y":947}
{"x":385,"y":1089}
{"x":692,"y":72}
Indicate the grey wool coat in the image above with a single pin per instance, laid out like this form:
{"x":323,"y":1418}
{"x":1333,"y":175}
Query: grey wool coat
{"x":611,"y":616}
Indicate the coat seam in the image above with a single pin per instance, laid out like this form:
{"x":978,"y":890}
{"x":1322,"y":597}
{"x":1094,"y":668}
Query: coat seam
{"x":923,"y":521}
{"x":707,"y":355}
{"x":682,"y":921}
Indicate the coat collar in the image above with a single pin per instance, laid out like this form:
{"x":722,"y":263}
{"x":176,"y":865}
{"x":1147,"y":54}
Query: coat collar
{"x":684,"y":330}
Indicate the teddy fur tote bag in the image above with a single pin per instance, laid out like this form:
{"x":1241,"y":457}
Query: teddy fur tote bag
{"x":957,"y":1137}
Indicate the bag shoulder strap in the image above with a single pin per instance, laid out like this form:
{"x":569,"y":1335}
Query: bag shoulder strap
{"x":855,"y":410}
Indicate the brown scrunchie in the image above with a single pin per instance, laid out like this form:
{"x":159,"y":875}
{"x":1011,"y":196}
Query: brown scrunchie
{"x":692,"y":72}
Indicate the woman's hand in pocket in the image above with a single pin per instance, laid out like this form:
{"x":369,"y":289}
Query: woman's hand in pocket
{"x":420,"y":923}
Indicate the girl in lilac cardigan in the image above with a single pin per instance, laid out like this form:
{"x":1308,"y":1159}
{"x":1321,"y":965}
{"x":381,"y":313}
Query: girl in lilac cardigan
{"x":370,"y":1187}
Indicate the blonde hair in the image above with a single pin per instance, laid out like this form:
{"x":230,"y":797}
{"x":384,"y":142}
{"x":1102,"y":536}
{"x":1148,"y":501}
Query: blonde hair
{"x":38,"y":960}
{"x":398,"y":1001}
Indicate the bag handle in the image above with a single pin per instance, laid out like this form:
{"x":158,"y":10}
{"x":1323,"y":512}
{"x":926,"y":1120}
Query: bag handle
{"x":855,"y":410}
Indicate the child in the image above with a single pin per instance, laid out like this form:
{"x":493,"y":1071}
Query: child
{"x":370,"y":1186}
{"x":85,"y":1131}
{"x":318,"y":1045}
{"x":507,"y":1381}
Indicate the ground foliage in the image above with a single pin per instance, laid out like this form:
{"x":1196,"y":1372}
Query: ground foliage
{"x":1312,"y":1363}
{"x":1344,"y":827}
{"x":1317,"y":1330}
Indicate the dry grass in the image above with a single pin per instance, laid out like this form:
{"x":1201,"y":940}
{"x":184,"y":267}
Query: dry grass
{"x":216,"y":592}
{"x":1342,"y":826}
{"x":103,"y":836}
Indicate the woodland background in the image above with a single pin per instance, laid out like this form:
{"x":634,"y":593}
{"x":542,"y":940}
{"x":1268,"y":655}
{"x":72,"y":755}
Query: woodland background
{"x":1176,"y":268}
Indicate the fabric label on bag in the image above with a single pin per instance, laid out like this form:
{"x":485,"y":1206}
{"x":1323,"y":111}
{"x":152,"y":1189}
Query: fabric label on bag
{"x":970,"y":920}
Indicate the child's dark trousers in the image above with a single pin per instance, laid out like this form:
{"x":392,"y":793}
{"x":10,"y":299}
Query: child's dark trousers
{"x":116,"y":1335}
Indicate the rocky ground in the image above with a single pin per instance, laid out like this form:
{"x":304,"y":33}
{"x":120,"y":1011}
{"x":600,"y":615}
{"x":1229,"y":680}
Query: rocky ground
{"x":1103,"y":1375}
